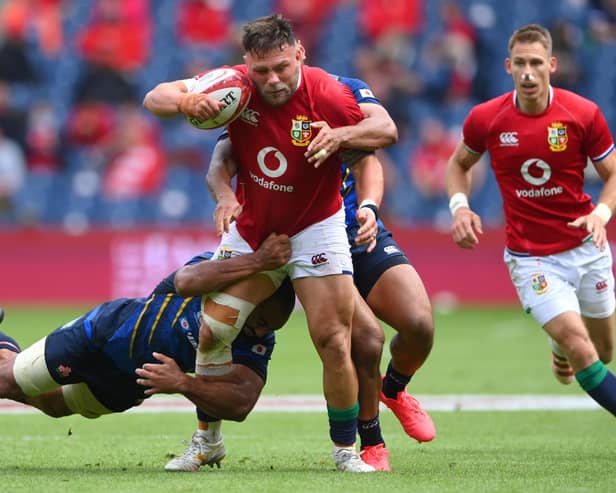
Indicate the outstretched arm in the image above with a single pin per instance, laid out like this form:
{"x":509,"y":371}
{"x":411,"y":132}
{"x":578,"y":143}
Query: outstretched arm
{"x":172,"y":98}
{"x":466,"y":224}
{"x":231,"y":396}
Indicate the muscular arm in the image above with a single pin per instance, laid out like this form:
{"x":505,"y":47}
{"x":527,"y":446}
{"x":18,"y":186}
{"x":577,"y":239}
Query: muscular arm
{"x":209,"y":276}
{"x":466,"y":224}
{"x":606,"y":168}
{"x":458,"y":174}
{"x":231,"y":396}
{"x":221,"y":170}
{"x":369,"y":185}
{"x":369,"y":180}
{"x":594,"y":222}
{"x":164,"y":99}
{"x":375,"y":131}
{"x":171,"y":98}
{"x":219,"y":178}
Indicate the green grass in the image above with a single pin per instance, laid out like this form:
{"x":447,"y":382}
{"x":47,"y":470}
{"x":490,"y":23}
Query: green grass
{"x":477,"y":350}
{"x":474,"y":452}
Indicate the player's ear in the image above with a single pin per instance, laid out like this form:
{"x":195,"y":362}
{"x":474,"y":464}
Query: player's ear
{"x":300,"y":52}
{"x":553,"y":64}
{"x":508,"y":65}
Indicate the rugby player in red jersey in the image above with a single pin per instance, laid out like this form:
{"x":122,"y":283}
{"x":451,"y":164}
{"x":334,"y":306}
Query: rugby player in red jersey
{"x":540,"y":139}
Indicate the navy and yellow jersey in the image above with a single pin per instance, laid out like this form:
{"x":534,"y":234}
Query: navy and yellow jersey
{"x":250,"y":351}
{"x":362,"y":94}
{"x":104,"y":347}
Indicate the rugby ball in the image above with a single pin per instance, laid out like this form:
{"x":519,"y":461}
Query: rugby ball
{"x":228,"y":85}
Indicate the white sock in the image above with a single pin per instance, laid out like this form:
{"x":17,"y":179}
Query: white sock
{"x":213,"y":433}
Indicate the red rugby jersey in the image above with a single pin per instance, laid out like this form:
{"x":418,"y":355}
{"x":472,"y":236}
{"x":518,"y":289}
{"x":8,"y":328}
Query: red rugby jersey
{"x":538,"y":162}
{"x":279,"y":190}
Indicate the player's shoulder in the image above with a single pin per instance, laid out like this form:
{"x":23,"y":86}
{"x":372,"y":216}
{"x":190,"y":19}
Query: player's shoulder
{"x":316,"y":77}
{"x":360,"y":89}
{"x":496,"y":104}
{"x":569,"y":99}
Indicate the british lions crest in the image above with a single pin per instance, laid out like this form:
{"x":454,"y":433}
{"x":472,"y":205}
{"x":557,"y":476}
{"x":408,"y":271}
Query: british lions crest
{"x":557,"y":137}
{"x":301,"y":131}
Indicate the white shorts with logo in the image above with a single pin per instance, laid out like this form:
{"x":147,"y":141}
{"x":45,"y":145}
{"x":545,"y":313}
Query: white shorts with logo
{"x":579,"y":280}
{"x":321,"y":249}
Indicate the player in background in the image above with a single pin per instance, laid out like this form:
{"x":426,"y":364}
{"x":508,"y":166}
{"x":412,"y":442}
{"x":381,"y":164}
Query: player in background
{"x":379,"y":265}
{"x":288,"y":189}
{"x":390,"y":285}
{"x":88,"y":365}
{"x":539,"y":139}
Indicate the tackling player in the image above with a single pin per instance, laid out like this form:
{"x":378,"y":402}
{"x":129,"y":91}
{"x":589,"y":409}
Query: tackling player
{"x":540,"y":139}
{"x":88,"y":365}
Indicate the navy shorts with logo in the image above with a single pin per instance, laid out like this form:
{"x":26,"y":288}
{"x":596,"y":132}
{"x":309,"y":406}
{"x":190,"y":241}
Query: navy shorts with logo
{"x":73,"y":357}
{"x":368,"y":267}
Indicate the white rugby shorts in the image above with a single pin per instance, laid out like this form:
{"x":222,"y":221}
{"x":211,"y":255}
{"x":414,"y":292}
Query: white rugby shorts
{"x":579,"y":280}
{"x":321,"y":249}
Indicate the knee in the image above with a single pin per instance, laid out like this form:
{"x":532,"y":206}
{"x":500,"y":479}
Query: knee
{"x":238,"y":413}
{"x":580,"y":351}
{"x":367,"y":347}
{"x":332,"y":345}
{"x":418,"y":329}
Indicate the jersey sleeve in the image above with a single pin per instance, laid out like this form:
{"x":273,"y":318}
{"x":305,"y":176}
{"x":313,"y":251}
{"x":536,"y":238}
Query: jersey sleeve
{"x":361,"y":91}
{"x":472,"y":133}
{"x":167,"y":285}
{"x":599,"y":142}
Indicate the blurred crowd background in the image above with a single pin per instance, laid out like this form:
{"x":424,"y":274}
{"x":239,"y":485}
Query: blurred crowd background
{"x":77,"y":151}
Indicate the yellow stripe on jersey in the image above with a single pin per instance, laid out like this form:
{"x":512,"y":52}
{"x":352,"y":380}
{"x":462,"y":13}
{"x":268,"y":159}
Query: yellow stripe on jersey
{"x":132,"y":338}
{"x":345,"y":185}
{"x":181,"y":309}
{"x":158,"y":315}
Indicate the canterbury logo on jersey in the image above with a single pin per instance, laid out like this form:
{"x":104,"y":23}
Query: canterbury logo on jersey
{"x":250,"y":116}
{"x":508,"y":139}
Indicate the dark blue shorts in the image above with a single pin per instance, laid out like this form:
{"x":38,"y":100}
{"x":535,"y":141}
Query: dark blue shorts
{"x":72,"y":357}
{"x":368,"y":267}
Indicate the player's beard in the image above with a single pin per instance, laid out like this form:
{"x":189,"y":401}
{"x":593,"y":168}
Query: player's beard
{"x":277,"y":97}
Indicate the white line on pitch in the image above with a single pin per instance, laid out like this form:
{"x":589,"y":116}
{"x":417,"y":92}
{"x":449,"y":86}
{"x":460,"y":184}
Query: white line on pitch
{"x":315,"y":403}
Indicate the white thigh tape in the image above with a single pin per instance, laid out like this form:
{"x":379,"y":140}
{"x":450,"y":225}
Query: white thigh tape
{"x":243,"y":307}
{"x":79,"y":399}
{"x":30,"y":370}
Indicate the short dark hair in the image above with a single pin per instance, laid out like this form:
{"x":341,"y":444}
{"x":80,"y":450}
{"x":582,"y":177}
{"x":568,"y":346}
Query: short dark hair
{"x":532,"y":33}
{"x":267,"y":33}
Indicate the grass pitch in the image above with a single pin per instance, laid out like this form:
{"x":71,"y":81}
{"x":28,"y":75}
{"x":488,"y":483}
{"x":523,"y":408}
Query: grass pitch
{"x":477,"y":350}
